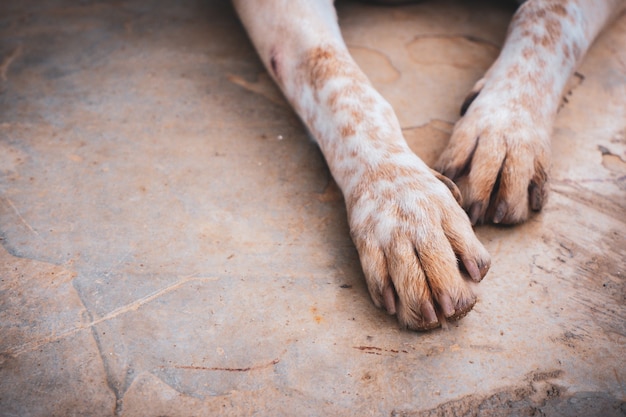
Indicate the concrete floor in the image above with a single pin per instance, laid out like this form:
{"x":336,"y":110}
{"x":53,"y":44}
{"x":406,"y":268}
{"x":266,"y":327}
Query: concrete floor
{"x":173,"y":245}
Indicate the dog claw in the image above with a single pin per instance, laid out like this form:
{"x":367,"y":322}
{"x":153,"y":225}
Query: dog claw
{"x":472,"y":269}
{"x":462,"y":310}
{"x":475,"y":212}
{"x":446,"y":305}
{"x":389,"y":298}
{"x":536,"y":196}
{"x":500,"y":213}
{"x":430,"y":316}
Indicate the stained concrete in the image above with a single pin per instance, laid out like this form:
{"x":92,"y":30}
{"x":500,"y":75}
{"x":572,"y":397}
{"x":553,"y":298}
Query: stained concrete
{"x":173,"y":244}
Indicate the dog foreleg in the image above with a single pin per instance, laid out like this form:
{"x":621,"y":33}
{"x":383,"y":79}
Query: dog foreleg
{"x":406,"y":224}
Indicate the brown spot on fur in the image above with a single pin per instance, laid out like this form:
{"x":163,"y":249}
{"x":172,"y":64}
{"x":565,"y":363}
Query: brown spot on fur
{"x":322,"y":65}
{"x":333,"y":98}
{"x":514,"y":71}
{"x":566,"y":51}
{"x":386,"y":171}
{"x":577,"y":51}
{"x":325,"y":62}
{"x":525,"y":101}
{"x":357,"y":116}
{"x":553,"y":33}
{"x":531,"y":18}
{"x":394,"y":149}
{"x":347,"y":130}
{"x":557,"y":9}
{"x":531,"y":13}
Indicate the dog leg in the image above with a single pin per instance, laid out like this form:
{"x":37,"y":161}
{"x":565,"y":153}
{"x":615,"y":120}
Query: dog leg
{"x":415,"y":243}
{"x":499,"y":152}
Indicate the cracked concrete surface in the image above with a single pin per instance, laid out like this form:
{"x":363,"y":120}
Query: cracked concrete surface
{"x":172,"y":243}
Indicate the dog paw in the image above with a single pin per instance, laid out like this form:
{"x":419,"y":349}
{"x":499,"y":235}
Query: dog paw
{"x":417,"y":247}
{"x":498,"y":155}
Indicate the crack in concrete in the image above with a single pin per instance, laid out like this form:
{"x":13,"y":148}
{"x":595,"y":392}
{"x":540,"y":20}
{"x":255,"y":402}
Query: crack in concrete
{"x":456,"y":46}
{"x":375,"y":350}
{"x":469,"y":38}
{"x":119,"y":387}
{"x":527,"y":399}
{"x":573,"y":191}
{"x":435,"y":124}
{"x":6,"y":62}
{"x":21,"y":219}
{"x":135,"y":305}
{"x":224,"y":369}
{"x":383,"y":69}
{"x":109,"y":372}
{"x":263,"y":86}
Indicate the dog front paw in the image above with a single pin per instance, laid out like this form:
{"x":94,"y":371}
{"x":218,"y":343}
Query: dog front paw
{"x":499,"y":155}
{"x":416,"y":245}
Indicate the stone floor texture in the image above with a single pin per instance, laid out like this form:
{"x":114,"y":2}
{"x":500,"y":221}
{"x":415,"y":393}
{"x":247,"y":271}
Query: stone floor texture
{"x":172,"y":243}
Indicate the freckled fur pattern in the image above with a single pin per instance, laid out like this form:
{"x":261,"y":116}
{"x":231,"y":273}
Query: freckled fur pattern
{"x":499,"y":153}
{"x":416,"y":244}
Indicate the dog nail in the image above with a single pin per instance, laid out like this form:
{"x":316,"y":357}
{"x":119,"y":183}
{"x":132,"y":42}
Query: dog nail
{"x":428,"y":312}
{"x":476,"y":212}
{"x":446,"y":305}
{"x":450,"y":173}
{"x":463,"y":307}
{"x":536,"y":197}
{"x":472,"y":269}
{"x":500,"y":212}
{"x":389,"y":298}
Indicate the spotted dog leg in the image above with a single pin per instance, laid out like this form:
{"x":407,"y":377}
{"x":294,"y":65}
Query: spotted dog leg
{"x":415,"y":243}
{"x":499,"y":153}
